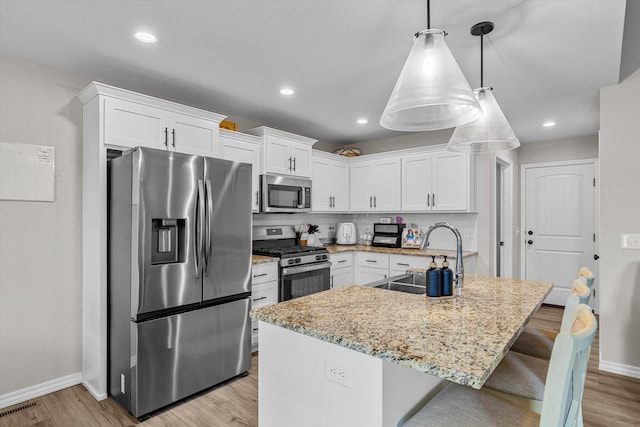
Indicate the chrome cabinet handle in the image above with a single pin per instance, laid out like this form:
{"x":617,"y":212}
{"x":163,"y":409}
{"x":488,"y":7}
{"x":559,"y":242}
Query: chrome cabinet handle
{"x":294,"y":164}
{"x":259,"y":275}
{"x":428,"y":200}
{"x":173,"y":138}
{"x":341,"y":261}
{"x":371,"y":260}
{"x":433,"y":200}
{"x":401,"y":263}
{"x":370,"y":201}
{"x":257,"y":199}
{"x":375,"y":202}
{"x":259,"y":299}
{"x":166,"y":137}
{"x":289,"y":164}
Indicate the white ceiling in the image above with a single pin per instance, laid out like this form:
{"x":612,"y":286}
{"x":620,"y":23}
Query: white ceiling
{"x":546,"y":59}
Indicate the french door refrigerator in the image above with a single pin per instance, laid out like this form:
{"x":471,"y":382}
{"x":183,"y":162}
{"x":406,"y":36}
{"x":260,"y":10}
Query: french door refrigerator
{"x":179,"y":276}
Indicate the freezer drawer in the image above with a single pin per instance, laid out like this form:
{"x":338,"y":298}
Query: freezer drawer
{"x":175,"y":356}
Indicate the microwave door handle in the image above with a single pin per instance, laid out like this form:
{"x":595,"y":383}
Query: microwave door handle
{"x":207,"y":225}
{"x":301,"y":197}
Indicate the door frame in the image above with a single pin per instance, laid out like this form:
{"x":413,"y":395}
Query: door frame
{"x":596,"y":214}
{"x":506,"y":217}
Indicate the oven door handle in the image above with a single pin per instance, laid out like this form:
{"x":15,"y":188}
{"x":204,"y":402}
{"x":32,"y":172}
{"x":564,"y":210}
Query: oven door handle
{"x":305,"y":268}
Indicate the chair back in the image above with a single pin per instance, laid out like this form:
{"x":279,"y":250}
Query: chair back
{"x":580,"y":294}
{"x":564,"y":386}
{"x":588,"y":275}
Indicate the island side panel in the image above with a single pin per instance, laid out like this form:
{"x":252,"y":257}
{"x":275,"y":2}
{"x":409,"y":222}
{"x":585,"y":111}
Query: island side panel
{"x":294,"y":388}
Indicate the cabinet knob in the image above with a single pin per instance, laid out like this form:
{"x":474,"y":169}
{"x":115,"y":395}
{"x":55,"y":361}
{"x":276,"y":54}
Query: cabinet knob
{"x":530,"y":233}
{"x":530,"y":242}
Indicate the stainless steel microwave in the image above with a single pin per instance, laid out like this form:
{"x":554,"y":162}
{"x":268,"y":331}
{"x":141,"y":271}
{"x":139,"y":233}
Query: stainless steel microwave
{"x":284,"y":194}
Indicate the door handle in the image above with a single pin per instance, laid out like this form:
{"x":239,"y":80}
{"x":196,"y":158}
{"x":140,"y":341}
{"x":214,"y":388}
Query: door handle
{"x":530,"y":242}
{"x":501,"y":243}
{"x":166,"y":137}
{"x":428,"y":200}
{"x":294,"y":164}
{"x":596,"y":257}
{"x":375,"y":202}
{"x":289,"y":164}
{"x":173,"y":138}
{"x":370,"y":201}
{"x":433,"y":199}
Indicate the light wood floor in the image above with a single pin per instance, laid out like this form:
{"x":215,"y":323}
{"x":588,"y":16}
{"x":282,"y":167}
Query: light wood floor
{"x":609,"y":400}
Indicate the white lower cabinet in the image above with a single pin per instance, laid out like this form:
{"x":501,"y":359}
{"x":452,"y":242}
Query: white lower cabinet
{"x":341,"y":270}
{"x":399,"y":264}
{"x":264,"y":291}
{"x":370,"y":267}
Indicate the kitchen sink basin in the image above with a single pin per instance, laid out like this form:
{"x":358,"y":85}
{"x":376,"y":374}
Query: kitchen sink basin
{"x":409,"y":283}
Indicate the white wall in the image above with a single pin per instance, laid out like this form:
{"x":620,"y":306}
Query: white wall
{"x":619,"y":213}
{"x":39,"y":241}
{"x":585,"y":147}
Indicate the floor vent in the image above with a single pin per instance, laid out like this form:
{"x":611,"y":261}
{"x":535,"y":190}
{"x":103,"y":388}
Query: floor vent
{"x":18,"y":409}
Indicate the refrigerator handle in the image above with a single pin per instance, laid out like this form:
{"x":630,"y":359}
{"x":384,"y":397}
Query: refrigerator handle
{"x":198,"y":227}
{"x":207,"y":224}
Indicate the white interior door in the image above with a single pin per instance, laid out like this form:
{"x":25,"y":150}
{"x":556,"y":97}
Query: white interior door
{"x":559,"y":225}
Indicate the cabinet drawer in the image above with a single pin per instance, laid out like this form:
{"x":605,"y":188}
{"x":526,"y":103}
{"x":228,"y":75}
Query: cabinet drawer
{"x":261,"y":273}
{"x":264,"y":294}
{"x":405,"y":262}
{"x":367,"y":259}
{"x":341,"y":260}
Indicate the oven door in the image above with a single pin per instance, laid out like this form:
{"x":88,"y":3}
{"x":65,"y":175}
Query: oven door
{"x":304,"y":280}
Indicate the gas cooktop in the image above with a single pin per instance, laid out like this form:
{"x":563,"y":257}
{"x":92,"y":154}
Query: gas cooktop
{"x":287,"y":250}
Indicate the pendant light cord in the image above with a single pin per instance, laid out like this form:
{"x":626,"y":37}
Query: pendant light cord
{"x":428,"y":14}
{"x":481,"y":60}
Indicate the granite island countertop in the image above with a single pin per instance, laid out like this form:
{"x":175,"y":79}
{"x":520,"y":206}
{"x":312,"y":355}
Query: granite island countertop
{"x":459,"y":339}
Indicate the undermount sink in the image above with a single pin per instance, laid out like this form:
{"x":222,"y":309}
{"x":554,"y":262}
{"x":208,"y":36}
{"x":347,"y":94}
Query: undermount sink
{"x":409,"y":283}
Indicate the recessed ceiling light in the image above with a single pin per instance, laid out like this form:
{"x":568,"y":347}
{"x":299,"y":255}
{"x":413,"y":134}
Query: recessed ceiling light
{"x":145,"y":37}
{"x":362,"y":121}
{"x":548,"y":124}
{"x":286,"y":91}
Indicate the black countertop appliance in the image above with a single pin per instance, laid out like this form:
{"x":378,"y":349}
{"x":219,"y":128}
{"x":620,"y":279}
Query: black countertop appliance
{"x":387,"y":235}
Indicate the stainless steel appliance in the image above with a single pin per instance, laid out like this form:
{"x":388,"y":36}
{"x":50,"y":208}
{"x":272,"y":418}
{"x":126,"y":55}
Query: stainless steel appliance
{"x":284,"y":194}
{"x":346,"y":233}
{"x":179,"y":276}
{"x":388,"y":235}
{"x":304,"y":270}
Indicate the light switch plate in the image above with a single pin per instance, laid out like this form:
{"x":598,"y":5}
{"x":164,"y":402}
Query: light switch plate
{"x":630,"y":241}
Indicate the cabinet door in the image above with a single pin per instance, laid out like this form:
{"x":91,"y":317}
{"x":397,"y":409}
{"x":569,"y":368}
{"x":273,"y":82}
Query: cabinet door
{"x":450,"y":181}
{"x":399,"y":264}
{"x":339,"y":175}
{"x":129,"y":124}
{"x":366,"y":275}
{"x":341,"y":277}
{"x":387,"y":184}
{"x":241,"y":151}
{"x":193,"y":135}
{"x":301,"y":155}
{"x":361,"y":194}
{"x":278,"y":156}
{"x":416,"y":183}
{"x":321,"y":191}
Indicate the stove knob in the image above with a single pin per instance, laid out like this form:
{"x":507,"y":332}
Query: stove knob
{"x":318,"y":257}
{"x":298,"y":260}
{"x":324,"y":256}
{"x":290,"y":261}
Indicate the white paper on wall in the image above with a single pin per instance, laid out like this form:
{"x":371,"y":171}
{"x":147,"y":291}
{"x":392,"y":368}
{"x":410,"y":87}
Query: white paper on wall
{"x":27,"y":172}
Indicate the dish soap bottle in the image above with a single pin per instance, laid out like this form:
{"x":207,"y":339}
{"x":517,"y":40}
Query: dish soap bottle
{"x":433,"y":279}
{"x":447,"y":278}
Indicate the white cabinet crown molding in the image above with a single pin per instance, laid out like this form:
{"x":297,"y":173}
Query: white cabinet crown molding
{"x":267,"y":131}
{"x":96,"y":88}
{"x":240,"y":136}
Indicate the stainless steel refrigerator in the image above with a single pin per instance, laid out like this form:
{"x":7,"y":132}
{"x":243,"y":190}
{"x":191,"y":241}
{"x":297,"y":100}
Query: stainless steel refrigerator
{"x":179,"y":276}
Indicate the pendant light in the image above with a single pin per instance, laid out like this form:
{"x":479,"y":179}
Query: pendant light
{"x":432,"y":92}
{"x":491,"y":132}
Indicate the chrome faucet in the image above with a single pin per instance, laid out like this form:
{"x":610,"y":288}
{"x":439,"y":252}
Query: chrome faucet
{"x":459,"y":265}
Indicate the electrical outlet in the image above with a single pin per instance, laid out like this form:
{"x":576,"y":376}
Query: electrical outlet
{"x":122,"y":383}
{"x":630,"y":241}
{"x":338,"y":373}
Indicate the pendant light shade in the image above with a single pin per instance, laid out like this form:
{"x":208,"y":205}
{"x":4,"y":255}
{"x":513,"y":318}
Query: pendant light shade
{"x":432,"y":92}
{"x":492,"y":131}
{"x":489,"y":133}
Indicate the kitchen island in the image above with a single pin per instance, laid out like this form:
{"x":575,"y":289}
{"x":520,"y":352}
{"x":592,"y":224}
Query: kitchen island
{"x":364,"y":356}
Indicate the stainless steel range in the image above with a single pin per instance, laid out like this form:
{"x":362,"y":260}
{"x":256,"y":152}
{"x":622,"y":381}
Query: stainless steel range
{"x":304,"y":270}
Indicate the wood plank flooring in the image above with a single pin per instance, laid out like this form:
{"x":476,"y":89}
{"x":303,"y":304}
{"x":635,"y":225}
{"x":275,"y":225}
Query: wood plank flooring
{"x":609,"y":400}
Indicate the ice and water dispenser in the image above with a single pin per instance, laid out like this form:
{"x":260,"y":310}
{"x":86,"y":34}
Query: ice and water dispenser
{"x":168,"y":240}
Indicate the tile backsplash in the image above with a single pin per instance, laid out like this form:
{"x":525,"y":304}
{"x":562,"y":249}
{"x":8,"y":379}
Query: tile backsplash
{"x":440,"y":238}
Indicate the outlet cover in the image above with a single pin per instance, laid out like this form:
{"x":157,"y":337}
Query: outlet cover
{"x":630,"y":241}
{"x":338,"y":373}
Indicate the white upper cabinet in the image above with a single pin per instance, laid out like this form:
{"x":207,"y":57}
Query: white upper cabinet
{"x":241,"y":147}
{"x":132,"y":120}
{"x":330,"y":177}
{"x":375,"y":185}
{"x":284,"y":153}
{"x":438,"y":181}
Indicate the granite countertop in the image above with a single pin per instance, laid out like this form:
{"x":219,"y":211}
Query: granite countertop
{"x":261,"y":259}
{"x":337,"y":249}
{"x":459,"y":339}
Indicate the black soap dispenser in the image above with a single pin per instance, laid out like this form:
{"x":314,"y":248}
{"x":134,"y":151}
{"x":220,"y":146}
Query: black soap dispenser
{"x":447,"y":278}
{"x":433,"y":279}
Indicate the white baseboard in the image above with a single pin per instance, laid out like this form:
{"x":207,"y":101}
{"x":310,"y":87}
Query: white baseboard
{"x":94,"y":393}
{"x":38,"y":390}
{"x":619,"y":368}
